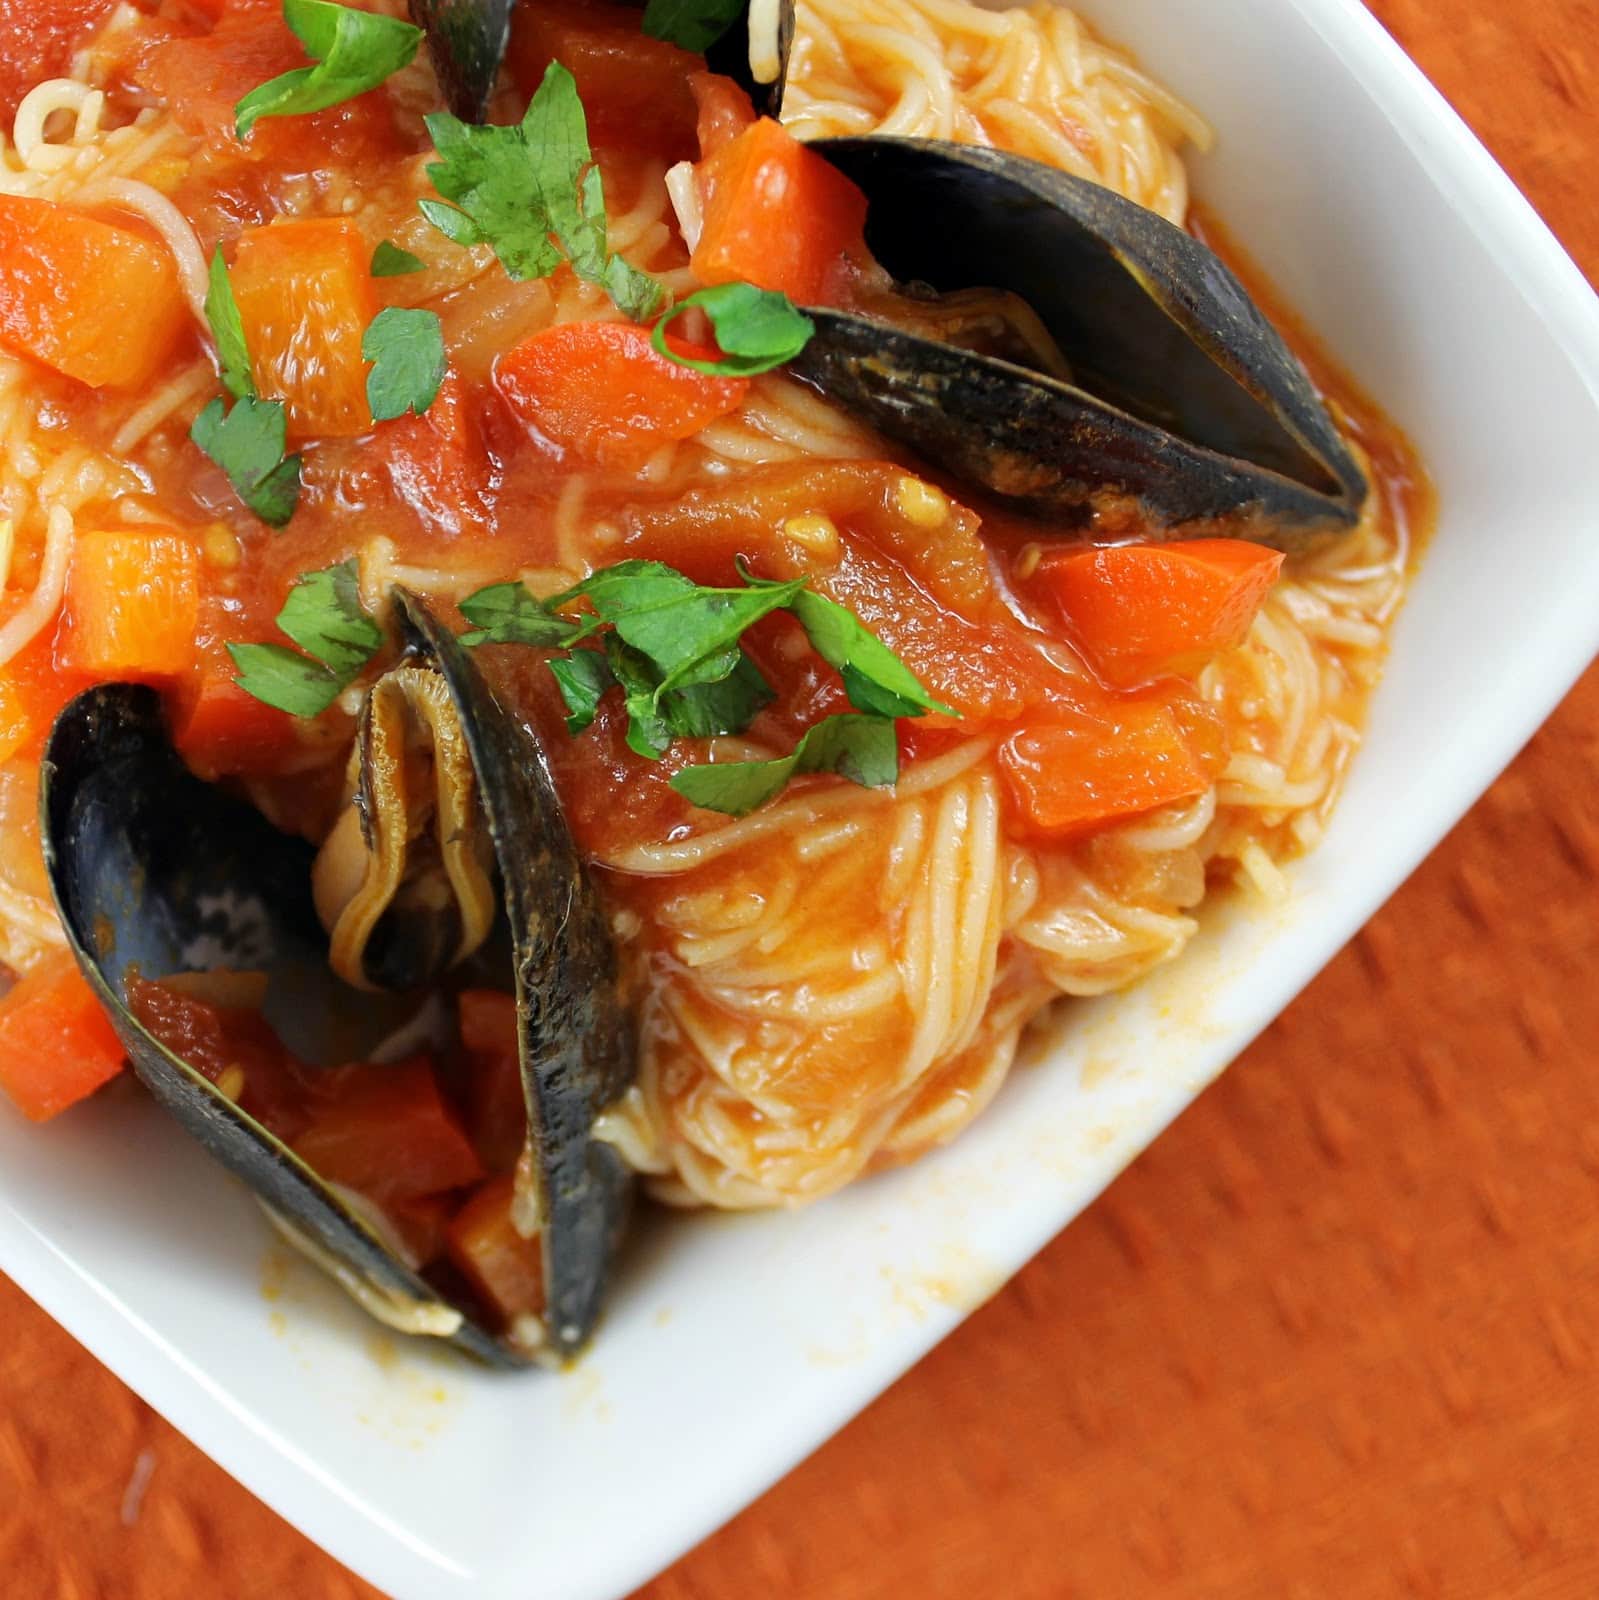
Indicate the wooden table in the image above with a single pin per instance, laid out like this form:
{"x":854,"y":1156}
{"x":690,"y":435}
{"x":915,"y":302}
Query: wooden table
{"x":1336,"y":1335}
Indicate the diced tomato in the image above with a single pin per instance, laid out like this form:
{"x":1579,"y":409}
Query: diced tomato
{"x":505,"y":1269}
{"x":777,"y":215}
{"x":133,"y":605}
{"x":37,"y":40}
{"x":231,"y":1044}
{"x":497,"y":1109}
{"x":1100,"y":763}
{"x":989,"y":671}
{"x":306,"y":299}
{"x":33,"y":691}
{"x":423,"y":1223}
{"x":387,"y":1133}
{"x":635,"y":89}
{"x":488,"y":1021}
{"x":437,"y":463}
{"x":56,"y":1043}
{"x":221,"y":731}
{"x":203,"y":78}
{"x":1139,"y":610}
{"x":602,"y":390}
{"x":724,"y":111}
{"x":94,"y":300}
{"x":770,"y":515}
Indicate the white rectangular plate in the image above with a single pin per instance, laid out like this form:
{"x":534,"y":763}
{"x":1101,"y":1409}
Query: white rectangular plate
{"x":736,"y":1344}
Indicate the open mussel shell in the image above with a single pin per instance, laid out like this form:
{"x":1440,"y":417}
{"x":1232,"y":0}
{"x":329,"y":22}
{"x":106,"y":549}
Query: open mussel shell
{"x":466,"y":40}
{"x":1182,"y":397}
{"x":158,"y":873}
{"x":155,"y":871}
{"x":576,"y":1038}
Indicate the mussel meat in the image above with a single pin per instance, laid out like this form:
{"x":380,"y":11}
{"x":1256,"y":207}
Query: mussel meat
{"x":1183,"y":406}
{"x":404,"y":883}
{"x":157,"y":873}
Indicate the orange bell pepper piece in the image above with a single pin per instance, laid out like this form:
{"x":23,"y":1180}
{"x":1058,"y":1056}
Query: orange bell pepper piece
{"x":1139,"y":610}
{"x":776,"y":215}
{"x":56,"y":1042}
{"x":133,"y":605}
{"x":602,"y":390}
{"x":95,"y":300}
{"x":1092,"y":765}
{"x":306,"y":299}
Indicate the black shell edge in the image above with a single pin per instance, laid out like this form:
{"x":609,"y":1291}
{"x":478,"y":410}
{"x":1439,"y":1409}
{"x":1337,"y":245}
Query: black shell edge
{"x":1179,"y":275}
{"x":273,"y":1173}
{"x":851,"y":359}
{"x":575,"y":1038}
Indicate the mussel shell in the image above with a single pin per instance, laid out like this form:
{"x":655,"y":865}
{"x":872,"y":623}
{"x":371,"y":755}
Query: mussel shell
{"x":153,"y":869}
{"x":1184,"y":397}
{"x":467,"y":41}
{"x":576,"y":1038}
{"x":763,"y":37}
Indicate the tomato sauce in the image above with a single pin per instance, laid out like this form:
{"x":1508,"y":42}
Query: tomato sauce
{"x":537,"y":460}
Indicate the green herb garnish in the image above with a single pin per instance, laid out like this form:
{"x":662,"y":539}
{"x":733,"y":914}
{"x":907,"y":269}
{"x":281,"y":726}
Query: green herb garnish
{"x":694,"y":24}
{"x":875,"y":679}
{"x":227,"y":329}
{"x":507,"y":613}
{"x":353,"y":50}
{"x":406,"y":349}
{"x":248,"y":443}
{"x":758,"y":329}
{"x":533,"y":193}
{"x":323,"y":614}
{"x":673,"y":648}
{"x":864,"y":749}
{"x":390,"y":261}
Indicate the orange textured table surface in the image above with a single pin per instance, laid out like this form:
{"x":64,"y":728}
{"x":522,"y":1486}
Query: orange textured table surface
{"x":1336,"y":1335}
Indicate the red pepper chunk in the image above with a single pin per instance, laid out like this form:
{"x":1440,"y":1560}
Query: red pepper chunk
{"x":776,"y":215}
{"x":1139,"y":610}
{"x":56,"y":1043}
{"x":603,"y":391}
{"x":634,"y":89}
{"x":95,"y":300}
{"x":1094,"y":765}
{"x":505,"y":1269}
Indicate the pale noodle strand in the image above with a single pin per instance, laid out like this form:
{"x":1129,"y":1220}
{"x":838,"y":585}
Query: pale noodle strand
{"x":42,"y":605}
{"x":1031,"y":79}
